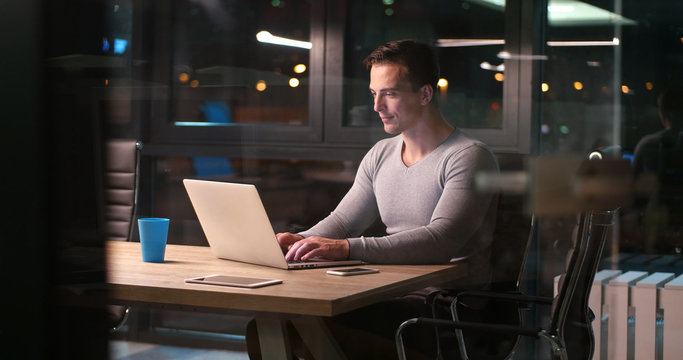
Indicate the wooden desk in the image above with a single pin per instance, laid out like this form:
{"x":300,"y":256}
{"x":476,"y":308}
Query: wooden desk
{"x":303,"y":297}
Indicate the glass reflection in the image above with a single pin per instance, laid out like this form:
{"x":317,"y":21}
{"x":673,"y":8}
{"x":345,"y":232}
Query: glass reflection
{"x":465,"y":34}
{"x":294,"y":192}
{"x":233,"y":62}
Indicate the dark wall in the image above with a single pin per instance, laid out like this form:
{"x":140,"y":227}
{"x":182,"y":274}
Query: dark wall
{"x":35,"y":324}
{"x":24,"y":262}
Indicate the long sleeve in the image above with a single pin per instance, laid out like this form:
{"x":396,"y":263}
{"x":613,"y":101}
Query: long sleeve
{"x":355,"y":212}
{"x":431,"y":210}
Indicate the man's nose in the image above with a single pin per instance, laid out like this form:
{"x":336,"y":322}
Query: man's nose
{"x":378,"y":105}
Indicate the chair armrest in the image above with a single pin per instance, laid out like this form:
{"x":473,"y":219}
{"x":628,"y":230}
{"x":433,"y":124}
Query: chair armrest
{"x":510,"y":296}
{"x":461,"y":325}
{"x":469,"y":325}
{"x":514,"y":297}
{"x":447,"y":296}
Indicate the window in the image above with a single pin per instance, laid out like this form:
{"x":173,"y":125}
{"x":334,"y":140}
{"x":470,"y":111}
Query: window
{"x":243,"y":71}
{"x":469,"y":37}
{"x":233,"y":81}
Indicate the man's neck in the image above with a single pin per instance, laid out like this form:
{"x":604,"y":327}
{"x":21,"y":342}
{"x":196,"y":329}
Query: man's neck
{"x":422,"y":140}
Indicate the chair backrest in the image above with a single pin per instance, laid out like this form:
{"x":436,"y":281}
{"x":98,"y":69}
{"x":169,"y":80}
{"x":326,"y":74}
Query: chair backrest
{"x":571,"y":319}
{"x":121,"y":164}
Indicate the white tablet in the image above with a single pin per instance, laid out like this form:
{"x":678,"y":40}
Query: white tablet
{"x":230,"y":280}
{"x":352,"y":271}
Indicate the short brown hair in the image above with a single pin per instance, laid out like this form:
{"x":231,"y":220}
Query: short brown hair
{"x":419,"y":60}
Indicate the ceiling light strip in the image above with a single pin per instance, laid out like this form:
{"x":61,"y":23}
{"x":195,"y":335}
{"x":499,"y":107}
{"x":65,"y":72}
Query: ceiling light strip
{"x":266,"y":37}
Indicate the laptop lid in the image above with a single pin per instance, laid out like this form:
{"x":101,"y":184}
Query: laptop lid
{"x":237,"y":227}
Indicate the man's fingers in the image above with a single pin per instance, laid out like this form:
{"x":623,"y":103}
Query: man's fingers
{"x":294,"y":250}
{"x":311,"y":254}
{"x":301,"y":250}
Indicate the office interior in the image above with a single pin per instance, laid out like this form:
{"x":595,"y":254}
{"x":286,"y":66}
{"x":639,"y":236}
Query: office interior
{"x":274,"y":93}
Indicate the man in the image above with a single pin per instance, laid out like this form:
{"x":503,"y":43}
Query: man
{"x":419,"y":182}
{"x":660,"y":155}
{"x":646,"y":156}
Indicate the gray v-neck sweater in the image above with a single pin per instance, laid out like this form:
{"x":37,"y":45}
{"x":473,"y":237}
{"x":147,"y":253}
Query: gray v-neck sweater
{"x":431,"y":211}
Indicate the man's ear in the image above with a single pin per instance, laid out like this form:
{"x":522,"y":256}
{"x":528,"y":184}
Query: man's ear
{"x":426,"y":93}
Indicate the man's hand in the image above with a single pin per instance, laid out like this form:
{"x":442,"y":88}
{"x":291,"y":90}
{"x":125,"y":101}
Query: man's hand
{"x":316,"y":246}
{"x":287,"y":239}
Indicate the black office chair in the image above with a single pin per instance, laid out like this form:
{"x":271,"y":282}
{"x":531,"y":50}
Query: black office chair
{"x":121,"y":159}
{"x":568,"y":330}
{"x":119,"y":198}
{"x":514,"y":232}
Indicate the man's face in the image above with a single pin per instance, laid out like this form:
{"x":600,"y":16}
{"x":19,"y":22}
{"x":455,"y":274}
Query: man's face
{"x":397,"y":104}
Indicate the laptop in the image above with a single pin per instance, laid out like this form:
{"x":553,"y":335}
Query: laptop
{"x":237,"y":227}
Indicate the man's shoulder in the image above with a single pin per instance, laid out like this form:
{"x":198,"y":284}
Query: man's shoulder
{"x":649,"y":141}
{"x":465,"y":150}
{"x":459,"y":141}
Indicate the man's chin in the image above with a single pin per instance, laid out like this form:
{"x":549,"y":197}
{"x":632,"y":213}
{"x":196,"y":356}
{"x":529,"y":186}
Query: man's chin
{"x":391,"y":130}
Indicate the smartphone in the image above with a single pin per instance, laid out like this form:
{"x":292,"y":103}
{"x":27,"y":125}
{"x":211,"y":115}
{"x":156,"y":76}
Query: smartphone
{"x":352,"y":271}
{"x":228,"y":280}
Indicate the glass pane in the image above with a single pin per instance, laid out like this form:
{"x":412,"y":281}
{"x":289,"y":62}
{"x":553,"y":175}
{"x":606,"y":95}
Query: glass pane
{"x":468,"y":36}
{"x":578,"y":107}
{"x":607,"y":63}
{"x":241,"y":62}
{"x":582,"y":103}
